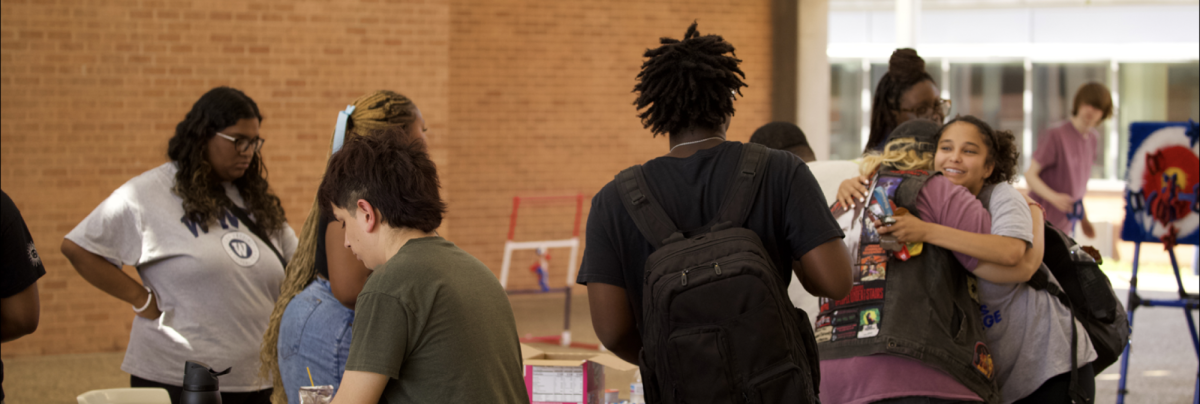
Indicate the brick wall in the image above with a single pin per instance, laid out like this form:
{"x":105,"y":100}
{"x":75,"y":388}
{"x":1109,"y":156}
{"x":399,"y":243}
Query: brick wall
{"x":521,"y":97}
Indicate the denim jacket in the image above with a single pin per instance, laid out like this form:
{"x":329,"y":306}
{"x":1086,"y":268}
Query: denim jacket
{"x":922,"y":308}
{"x":315,"y":335}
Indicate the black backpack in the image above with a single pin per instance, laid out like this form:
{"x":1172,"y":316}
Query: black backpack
{"x":1090,"y":296}
{"x":718,"y":325}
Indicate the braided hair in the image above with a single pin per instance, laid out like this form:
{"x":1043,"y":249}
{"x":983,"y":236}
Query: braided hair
{"x":905,"y":70}
{"x":379,"y":113}
{"x":688,"y":83}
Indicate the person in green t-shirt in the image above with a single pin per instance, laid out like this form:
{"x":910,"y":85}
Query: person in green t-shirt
{"x":432,"y":323}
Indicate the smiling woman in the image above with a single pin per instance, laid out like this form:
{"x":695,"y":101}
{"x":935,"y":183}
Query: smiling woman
{"x":210,"y":243}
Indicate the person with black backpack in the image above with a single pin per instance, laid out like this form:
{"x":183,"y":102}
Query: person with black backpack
{"x":1028,"y":328}
{"x":688,"y":255}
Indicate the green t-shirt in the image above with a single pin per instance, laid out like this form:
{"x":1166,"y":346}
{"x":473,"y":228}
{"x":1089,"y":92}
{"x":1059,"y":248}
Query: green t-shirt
{"x":437,"y":323}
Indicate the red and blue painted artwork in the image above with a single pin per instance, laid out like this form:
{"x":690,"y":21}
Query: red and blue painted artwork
{"x":1162,"y":184}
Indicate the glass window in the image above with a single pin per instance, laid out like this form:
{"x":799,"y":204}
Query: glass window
{"x":847,"y":120}
{"x":845,"y":110}
{"x":1054,"y":87}
{"x":1155,"y":92}
{"x":992,"y":92}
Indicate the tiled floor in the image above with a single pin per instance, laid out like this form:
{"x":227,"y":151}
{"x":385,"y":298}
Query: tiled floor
{"x":58,"y":379}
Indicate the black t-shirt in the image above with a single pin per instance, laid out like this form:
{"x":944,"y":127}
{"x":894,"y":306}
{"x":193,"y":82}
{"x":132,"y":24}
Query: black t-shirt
{"x":21,"y":262}
{"x":789,"y":214}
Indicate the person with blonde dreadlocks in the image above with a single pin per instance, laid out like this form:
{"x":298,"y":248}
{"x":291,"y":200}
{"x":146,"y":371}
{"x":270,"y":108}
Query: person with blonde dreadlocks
{"x":310,"y":328}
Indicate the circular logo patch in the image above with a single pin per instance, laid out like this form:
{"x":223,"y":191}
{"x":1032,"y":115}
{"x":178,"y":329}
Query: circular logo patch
{"x":241,"y":248}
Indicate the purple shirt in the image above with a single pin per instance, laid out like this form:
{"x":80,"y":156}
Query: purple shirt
{"x":1066,"y":157}
{"x":879,"y":377}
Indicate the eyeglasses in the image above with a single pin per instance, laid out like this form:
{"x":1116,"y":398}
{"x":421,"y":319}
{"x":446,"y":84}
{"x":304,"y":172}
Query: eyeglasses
{"x":244,"y":144}
{"x":939,"y":109}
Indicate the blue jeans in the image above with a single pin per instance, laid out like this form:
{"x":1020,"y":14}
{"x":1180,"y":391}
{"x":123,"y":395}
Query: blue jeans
{"x":314,"y":334}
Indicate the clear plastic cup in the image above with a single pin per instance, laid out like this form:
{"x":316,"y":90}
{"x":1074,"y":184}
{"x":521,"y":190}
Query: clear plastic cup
{"x":316,"y":394}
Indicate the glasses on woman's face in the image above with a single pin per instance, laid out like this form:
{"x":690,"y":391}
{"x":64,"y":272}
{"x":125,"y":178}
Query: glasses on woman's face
{"x":937,"y":111}
{"x":244,"y":144}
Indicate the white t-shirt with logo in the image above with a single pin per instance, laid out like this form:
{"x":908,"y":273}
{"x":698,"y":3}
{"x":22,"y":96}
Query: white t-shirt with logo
{"x":216,"y":289}
{"x":1028,"y":330}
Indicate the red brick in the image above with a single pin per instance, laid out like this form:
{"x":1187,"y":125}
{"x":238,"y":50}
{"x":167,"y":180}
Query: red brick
{"x":522,"y":97}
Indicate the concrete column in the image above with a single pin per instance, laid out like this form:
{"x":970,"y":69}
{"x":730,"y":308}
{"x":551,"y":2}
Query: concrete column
{"x":813,"y":76}
{"x":908,"y":23}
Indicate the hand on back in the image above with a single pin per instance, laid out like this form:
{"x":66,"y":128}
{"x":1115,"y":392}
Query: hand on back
{"x":853,"y":191}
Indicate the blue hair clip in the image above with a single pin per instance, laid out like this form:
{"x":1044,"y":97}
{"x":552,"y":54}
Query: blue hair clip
{"x":339,"y":133}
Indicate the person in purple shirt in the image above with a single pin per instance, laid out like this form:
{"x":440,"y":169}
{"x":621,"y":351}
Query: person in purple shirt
{"x":894,"y":379}
{"x":1063,"y":161}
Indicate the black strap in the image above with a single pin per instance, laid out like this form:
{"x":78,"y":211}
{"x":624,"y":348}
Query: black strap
{"x":646,"y":212}
{"x":659,"y":229}
{"x":1074,"y":394}
{"x":739,"y":197}
{"x":241,"y":215}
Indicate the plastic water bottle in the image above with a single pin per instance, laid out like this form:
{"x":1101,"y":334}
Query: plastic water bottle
{"x":636,"y":394}
{"x":200,"y":385}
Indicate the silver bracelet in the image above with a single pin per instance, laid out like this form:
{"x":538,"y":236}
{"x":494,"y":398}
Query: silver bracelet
{"x":149,"y":297}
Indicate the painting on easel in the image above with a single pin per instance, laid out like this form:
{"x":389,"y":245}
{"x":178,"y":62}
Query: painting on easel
{"x":1163,"y":184}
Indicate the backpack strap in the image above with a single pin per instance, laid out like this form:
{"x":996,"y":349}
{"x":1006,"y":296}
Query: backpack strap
{"x":739,"y":197}
{"x":646,"y":212}
{"x":985,"y":195}
{"x":1073,"y":392}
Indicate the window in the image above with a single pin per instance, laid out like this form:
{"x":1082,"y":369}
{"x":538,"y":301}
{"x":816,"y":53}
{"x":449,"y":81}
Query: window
{"x":991,"y":92}
{"x":1054,"y":87}
{"x":1155,"y":92}
{"x":996,"y":93}
{"x":846,"y":110}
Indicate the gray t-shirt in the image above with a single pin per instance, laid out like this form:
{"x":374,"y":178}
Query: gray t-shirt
{"x":1027,"y":329}
{"x":216,"y":289}
{"x":437,"y":323}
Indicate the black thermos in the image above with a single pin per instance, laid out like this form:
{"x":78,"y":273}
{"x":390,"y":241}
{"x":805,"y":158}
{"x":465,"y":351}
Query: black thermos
{"x":200,"y":384}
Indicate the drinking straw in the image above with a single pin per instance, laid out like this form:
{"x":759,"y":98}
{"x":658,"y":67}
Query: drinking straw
{"x":310,"y":380}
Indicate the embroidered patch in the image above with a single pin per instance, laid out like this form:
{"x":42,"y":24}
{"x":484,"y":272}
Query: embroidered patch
{"x":242,"y":248}
{"x":868,"y":323}
{"x":983,"y":360}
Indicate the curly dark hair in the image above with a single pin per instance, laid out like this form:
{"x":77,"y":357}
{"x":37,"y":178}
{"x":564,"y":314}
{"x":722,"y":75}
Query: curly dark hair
{"x":1002,"y":152}
{"x":688,"y":83}
{"x":905,"y":70}
{"x":203,"y":197}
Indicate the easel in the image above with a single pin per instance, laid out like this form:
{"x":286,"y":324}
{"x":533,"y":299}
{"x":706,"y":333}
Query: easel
{"x":511,"y":246}
{"x":1186,"y":301}
{"x":1150,"y":207}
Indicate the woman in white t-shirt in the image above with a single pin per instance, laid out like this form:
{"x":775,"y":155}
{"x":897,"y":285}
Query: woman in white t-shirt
{"x":192,"y":229}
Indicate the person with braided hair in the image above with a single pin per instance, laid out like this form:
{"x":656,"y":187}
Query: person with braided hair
{"x":905,"y":92}
{"x":311,"y":326}
{"x":686,"y":91}
{"x":210,"y":242}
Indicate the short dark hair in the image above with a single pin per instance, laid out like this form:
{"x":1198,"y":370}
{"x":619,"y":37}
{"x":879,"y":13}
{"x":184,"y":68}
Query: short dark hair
{"x":782,"y":136}
{"x":688,"y":83}
{"x":1096,"y":95}
{"x":1002,"y":151}
{"x":391,"y":171}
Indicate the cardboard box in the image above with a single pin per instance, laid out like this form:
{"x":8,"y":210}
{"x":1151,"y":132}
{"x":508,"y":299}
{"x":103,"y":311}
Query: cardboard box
{"x":574,"y":377}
